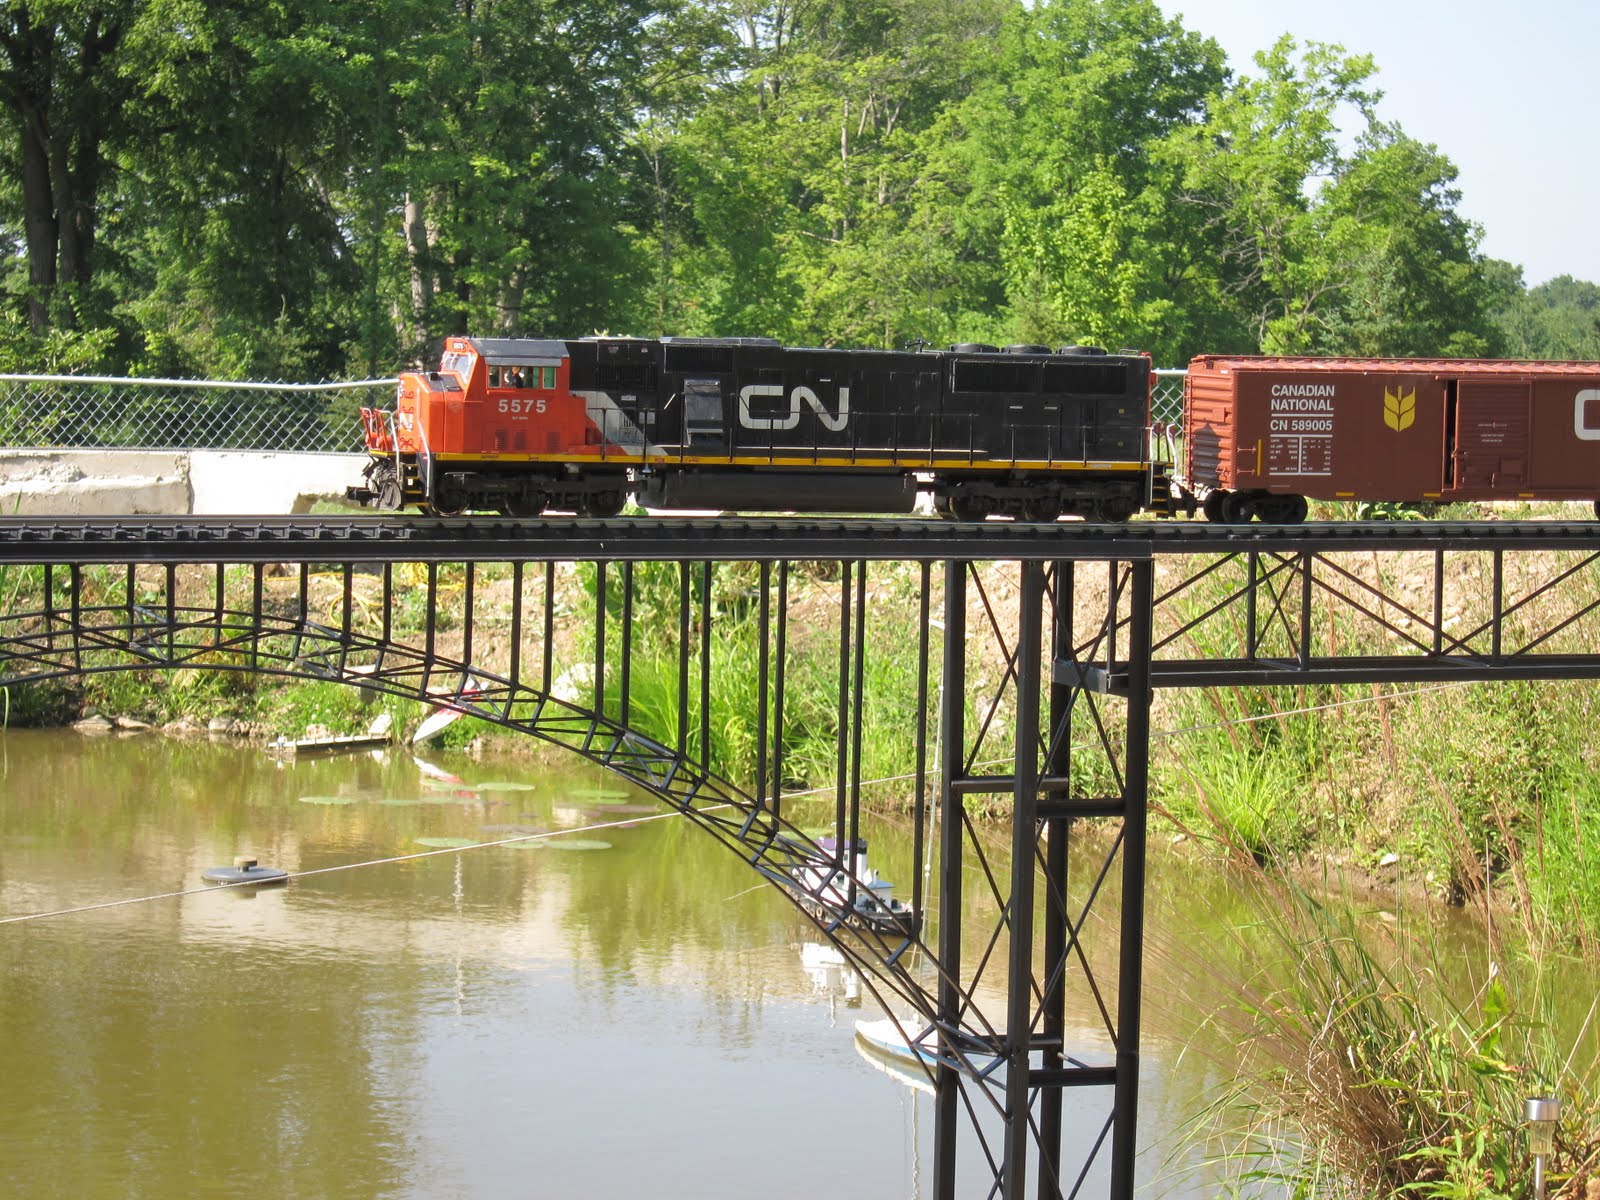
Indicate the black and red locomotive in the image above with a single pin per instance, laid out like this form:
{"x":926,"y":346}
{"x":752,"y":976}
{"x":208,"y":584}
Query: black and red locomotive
{"x":518,"y":425}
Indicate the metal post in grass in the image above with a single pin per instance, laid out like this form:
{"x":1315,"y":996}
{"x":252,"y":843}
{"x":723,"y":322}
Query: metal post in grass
{"x":1541,"y":1114}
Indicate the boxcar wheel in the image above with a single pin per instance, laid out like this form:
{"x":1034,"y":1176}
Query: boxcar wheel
{"x":1287,"y":510}
{"x":1212,"y":505}
{"x":1237,"y":508}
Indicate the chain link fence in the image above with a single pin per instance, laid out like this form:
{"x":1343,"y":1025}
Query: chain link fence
{"x":98,"y":412}
{"x":92,"y":412}
{"x":1166,"y":402}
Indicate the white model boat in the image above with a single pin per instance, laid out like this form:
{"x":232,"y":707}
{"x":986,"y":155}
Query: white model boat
{"x":911,"y":1046}
{"x":828,"y":889}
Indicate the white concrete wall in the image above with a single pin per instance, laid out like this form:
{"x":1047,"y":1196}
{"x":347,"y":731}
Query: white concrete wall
{"x":149,"y":483}
{"x":229,"y":483}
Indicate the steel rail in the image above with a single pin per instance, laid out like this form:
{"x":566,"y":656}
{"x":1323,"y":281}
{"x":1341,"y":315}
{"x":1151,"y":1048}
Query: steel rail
{"x":378,"y":538}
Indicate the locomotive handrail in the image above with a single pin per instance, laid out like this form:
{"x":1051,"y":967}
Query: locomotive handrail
{"x":425,"y":463}
{"x":220,"y":384}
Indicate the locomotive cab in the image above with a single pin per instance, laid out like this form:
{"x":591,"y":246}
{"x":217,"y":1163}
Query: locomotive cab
{"x":496,"y":427}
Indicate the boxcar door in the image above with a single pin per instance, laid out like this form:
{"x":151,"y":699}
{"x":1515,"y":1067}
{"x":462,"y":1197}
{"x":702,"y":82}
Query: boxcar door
{"x":1489,"y":435}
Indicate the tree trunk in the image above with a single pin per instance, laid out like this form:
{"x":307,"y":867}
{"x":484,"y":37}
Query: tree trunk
{"x":419,"y":260}
{"x":39,"y":220}
{"x":64,"y":102}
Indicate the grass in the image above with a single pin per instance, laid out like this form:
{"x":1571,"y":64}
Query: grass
{"x":1373,"y":1064}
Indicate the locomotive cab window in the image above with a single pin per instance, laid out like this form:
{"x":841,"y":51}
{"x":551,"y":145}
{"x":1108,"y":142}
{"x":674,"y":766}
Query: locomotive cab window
{"x":460,"y":364}
{"x":522,"y":377}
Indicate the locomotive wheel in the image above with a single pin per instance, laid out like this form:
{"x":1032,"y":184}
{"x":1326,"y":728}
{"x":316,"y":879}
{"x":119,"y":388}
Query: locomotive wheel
{"x":603,"y":504}
{"x":528,"y":504}
{"x":1114,"y":512}
{"x":388,"y":495}
{"x":450,"y":502}
{"x":1043,"y":511}
{"x":1212,"y":505}
{"x":969,"y":508}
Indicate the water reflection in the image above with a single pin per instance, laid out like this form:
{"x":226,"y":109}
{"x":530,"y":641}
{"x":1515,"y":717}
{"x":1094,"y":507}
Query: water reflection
{"x":501,"y":1021}
{"x":633,"y":1020}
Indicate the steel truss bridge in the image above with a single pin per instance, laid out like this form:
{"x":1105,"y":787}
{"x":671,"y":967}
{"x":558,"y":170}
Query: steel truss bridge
{"x":1056,"y":637}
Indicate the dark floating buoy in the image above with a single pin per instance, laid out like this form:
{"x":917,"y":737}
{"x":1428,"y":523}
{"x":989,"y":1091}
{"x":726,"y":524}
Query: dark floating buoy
{"x":244,"y":870}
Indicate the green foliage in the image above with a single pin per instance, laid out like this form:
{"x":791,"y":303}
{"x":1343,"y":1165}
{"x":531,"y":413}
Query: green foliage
{"x":811,"y":718}
{"x":313,"y":190}
{"x":1249,"y":794}
{"x":1390,"y":510}
{"x":1370,"y":1067}
{"x":1559,"y":319}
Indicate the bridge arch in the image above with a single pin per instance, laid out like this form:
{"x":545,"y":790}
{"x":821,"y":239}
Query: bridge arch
{"x":80,"y":630}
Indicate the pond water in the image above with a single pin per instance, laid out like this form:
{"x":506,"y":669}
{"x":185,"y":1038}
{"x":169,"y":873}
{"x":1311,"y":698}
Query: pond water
{"x":621,"y":1012}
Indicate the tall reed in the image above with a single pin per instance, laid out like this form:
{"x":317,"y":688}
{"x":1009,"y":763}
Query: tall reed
{"x":1373,"y":1063}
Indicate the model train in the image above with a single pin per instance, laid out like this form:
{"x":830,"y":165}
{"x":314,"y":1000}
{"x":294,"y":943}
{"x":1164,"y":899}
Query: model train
{"x":519,"y":425}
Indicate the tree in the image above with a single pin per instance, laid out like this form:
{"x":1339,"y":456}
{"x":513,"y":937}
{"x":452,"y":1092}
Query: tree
{"x":244,"y":131}
{"x":62,"y":87}
{"x":1557,"y":320}
{"x":1319,"y":250}
{"x":1053,"y":163}
{"x":515,"y":199}
{"x":1414,"y":285}
{"x":801,"y":172}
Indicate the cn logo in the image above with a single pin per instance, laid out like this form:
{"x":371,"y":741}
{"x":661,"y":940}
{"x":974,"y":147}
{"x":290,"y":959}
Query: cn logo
{"x":800,"y":395}
{"x":1399,"y":409}
{"x":1586,"y":415}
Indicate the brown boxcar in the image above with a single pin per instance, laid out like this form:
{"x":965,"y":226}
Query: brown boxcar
{"x":1262,"y":435}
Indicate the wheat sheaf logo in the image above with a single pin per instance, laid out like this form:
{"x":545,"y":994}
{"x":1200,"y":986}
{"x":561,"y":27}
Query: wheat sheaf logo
{"x":1399,"y":409}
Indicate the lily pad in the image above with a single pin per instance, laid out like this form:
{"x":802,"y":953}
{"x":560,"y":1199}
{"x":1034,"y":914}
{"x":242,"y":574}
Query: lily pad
{"x":531,"y":844}
{"x":449,"y":790}
{"x":506,"y":785}
{"x":598,"y":795}
{"x":577,"y":844}
{"x":447,"y":843}
{"x":327,"y":799}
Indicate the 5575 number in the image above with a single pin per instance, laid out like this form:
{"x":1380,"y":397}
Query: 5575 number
{"x":518,"y":406}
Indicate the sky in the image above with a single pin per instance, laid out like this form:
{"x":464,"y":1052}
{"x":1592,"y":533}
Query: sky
{"x":1510,"y":93}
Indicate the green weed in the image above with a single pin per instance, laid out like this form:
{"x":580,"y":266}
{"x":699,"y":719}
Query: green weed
{"x":1370,"y":1067}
